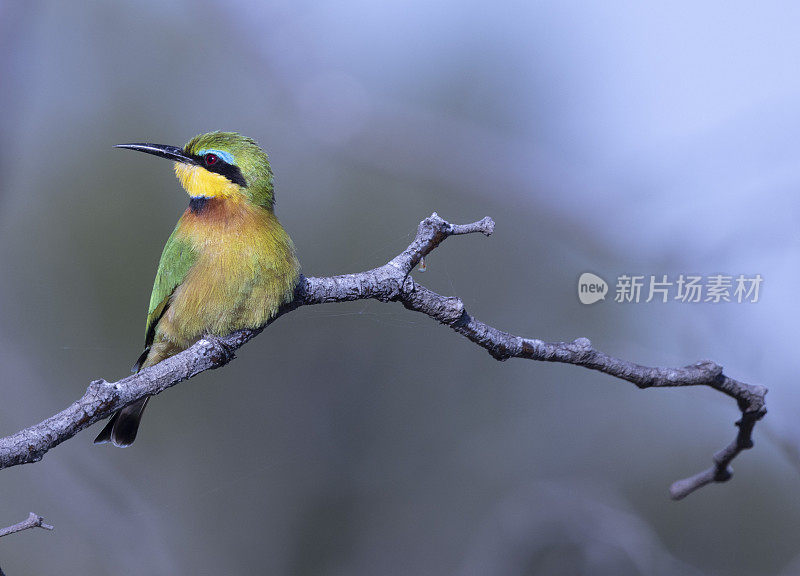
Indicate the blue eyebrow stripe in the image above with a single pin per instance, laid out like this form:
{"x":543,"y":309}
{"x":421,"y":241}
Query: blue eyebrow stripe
{"x":226,"y":156}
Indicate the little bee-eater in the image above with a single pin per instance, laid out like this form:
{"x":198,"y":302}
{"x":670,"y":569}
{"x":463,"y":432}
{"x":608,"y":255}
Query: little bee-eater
{"x":228,"y":265}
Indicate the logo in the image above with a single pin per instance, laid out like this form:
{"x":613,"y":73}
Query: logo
{"x":591,"y":288}
{"x":693,"y":288}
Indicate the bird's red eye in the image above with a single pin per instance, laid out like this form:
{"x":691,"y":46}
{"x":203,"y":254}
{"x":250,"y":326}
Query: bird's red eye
{"x":211,"y":159}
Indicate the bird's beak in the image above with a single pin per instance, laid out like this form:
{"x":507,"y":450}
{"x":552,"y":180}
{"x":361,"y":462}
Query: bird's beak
{"x":162,"y":150}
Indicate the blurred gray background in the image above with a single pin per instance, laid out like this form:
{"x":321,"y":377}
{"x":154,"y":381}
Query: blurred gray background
{"x":613,"y":137}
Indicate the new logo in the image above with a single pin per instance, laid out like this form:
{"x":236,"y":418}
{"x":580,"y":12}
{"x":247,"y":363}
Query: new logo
{"x":591,"y":288}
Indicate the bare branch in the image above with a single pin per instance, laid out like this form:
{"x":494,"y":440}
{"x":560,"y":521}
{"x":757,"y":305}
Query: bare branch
{"x":32,"y":521}
{"x":392,"y":283}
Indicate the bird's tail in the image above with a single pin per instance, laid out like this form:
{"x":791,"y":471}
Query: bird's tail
{"x":122,"y":427}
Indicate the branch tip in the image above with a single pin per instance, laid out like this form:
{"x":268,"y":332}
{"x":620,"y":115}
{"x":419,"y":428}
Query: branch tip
{"x":32,"y":521}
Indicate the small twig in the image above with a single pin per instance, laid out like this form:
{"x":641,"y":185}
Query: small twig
{"x":32,"y":521}
{"x":392,"y":283}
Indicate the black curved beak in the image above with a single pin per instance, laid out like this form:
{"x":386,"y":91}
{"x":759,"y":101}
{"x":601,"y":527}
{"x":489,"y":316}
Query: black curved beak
{"x":162,"y":150}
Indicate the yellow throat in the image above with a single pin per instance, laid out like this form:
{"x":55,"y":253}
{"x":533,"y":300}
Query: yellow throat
{"x":199,"y":182}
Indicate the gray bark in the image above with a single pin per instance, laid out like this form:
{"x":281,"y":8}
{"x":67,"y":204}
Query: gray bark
{"x":32,"y":521}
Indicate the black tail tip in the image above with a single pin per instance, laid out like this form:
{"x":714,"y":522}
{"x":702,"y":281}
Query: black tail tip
{"x":105,"y":433}
{"x":121,"y":432}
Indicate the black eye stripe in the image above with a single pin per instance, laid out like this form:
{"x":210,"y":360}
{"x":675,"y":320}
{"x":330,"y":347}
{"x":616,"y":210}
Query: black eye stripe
{"x":221,"y":167}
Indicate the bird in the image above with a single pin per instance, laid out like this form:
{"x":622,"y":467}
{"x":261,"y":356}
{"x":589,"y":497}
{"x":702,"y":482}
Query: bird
{"x":228,"y":264}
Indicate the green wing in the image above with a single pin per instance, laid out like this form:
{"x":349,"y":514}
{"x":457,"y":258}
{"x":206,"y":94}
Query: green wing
{"x":176,"y":260}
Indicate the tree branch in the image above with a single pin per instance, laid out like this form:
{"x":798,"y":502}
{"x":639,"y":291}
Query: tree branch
{"x":392,"y":283}
{"x":32,"y":521}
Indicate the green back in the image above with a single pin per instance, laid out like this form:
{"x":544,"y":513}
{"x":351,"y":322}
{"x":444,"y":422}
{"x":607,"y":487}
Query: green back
{"x":176,"y":260}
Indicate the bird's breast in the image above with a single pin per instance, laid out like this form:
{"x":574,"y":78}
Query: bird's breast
{"x":245,"y":270}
